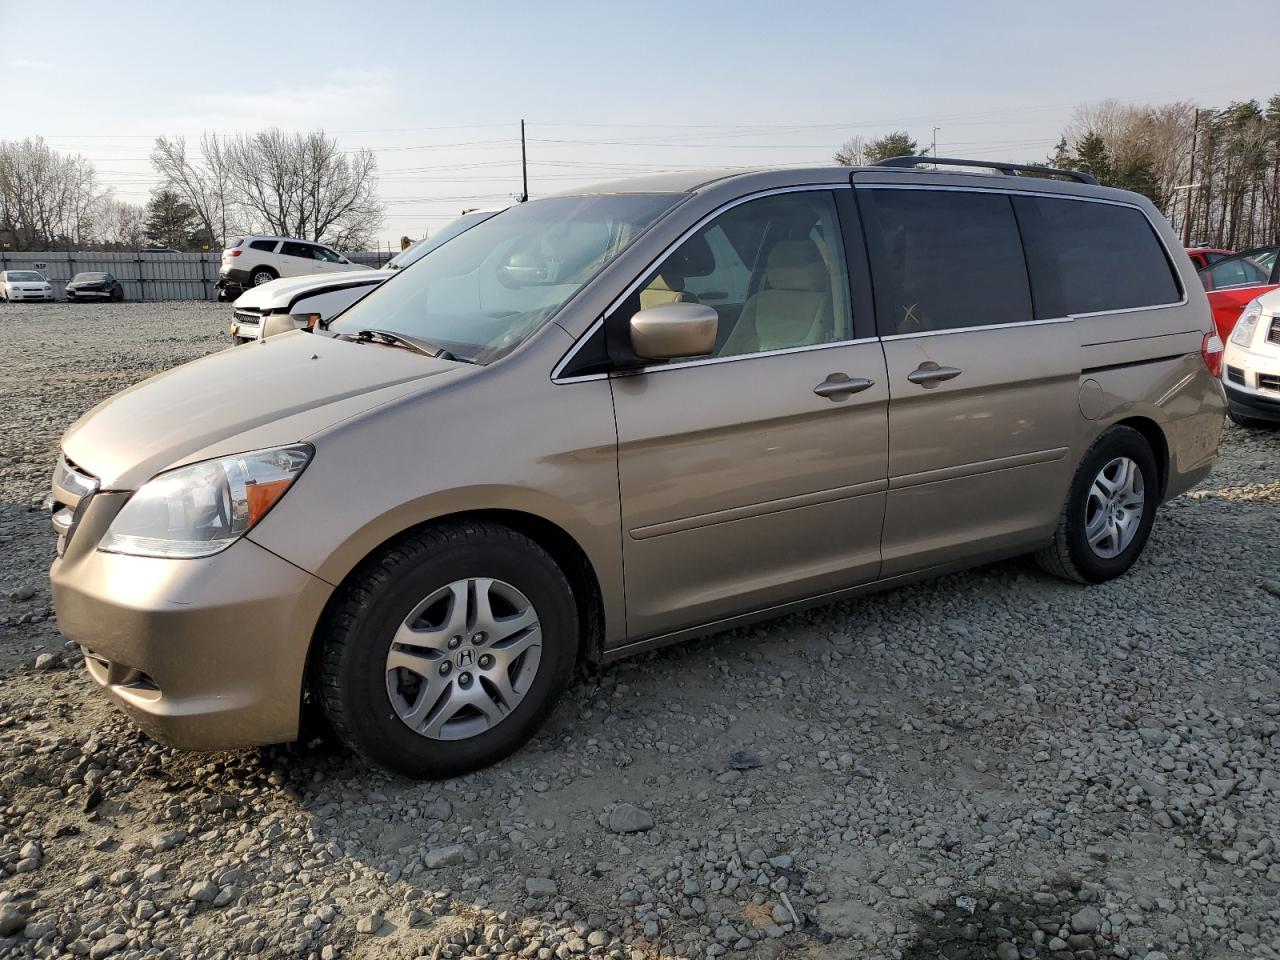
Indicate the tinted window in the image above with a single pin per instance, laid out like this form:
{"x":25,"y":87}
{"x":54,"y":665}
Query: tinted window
{"x":292,"y":249}
{"x":325,"y":254}
{"x":1085,"y":257}
{"x":944,"y":259}
{"x":773,"y":269}
{"x":267,"y":245}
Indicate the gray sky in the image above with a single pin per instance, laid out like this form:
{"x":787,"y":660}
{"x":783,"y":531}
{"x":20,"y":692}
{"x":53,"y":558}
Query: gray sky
{"x":608,"y":89}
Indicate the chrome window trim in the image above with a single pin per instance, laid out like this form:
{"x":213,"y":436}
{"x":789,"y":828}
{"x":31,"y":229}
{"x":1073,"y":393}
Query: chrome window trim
{"x":994,"y":188}
{"x":976,"y":329}
{"x":704,"y":361}
{"x":666,"y":251}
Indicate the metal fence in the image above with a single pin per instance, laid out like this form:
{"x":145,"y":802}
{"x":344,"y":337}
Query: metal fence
{"x":144,"y":276}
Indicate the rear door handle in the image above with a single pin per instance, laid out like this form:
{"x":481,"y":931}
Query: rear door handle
{"x":929,"y":374}
{"x":838,"y":386}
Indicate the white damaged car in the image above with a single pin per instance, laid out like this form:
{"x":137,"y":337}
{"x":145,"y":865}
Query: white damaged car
{"x":1251,"y":364}
{"x":300,"y":303}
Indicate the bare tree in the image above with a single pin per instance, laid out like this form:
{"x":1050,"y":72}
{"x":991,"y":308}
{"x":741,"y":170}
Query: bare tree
{"x":853,"y":153}
{"x":120,"y":225}
{"x":204,"y":181}
{"x":47,"y":200}
{"x":303,"y":185}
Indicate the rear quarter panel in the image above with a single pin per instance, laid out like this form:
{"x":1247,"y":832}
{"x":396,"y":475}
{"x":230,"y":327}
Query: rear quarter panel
{"x":1146,"y":363}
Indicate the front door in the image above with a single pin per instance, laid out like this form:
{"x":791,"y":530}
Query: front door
{"x":756,"y":476}
{"x":983,"y":404}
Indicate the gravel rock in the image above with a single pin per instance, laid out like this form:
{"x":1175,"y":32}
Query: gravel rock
{"x":628,"y":818}
{"x":541,"y":887}
{"x":12,"y":919}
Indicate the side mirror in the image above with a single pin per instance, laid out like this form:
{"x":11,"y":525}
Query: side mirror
{"x":674,"y":330}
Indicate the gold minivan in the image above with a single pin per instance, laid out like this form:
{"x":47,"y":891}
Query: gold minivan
{"x":605,"y":421}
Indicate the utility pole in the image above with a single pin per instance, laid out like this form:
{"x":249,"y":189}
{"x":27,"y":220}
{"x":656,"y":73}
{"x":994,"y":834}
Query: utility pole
{"x":1191,"y":179}
{"x":933,"y":150}
{"x":524,"y":168}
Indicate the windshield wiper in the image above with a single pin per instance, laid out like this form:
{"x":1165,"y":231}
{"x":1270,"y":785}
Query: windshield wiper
{"x":393,"y":339}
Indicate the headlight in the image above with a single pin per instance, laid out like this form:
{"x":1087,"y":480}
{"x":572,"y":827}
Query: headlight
{"x":199,"y":510}
{"x":1242,"y":333}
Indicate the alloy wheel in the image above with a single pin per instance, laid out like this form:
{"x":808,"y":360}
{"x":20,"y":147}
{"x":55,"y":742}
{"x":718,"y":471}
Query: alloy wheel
{"x":1113,"y":507}
{"x":464,"y":658}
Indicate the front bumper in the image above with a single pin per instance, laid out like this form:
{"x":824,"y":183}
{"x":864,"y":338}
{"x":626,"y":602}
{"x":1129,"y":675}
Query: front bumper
{"x":88,"y":292}
{"x":204,"y":654}
{"x":34,"y":295}
{"x":1250,"y":404}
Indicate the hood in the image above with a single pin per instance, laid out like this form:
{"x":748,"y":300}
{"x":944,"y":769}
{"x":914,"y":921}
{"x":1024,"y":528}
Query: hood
{"x":279,"y":293}
{"x":293,"y":385}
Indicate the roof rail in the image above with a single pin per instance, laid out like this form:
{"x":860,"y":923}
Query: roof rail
{"x":1008,"y":169}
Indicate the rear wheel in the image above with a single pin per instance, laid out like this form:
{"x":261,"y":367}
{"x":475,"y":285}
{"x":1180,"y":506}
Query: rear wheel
{"x":1109,"y":510}
{"x":447,"y":651}
{"x":262,"y":275}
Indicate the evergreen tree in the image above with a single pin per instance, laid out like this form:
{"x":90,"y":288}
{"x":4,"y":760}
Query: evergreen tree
{"x":896,"y":144}
{"x":171,"y":221}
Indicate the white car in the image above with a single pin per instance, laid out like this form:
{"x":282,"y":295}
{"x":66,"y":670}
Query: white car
{"x":1251,"y":364}
{"x":24,"y":285}
{"x":252,"y":261}
{"x":302,"y":302}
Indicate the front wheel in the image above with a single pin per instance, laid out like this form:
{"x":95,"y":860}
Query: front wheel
{"x":1109,"y":510}
{"x":447,"y":651}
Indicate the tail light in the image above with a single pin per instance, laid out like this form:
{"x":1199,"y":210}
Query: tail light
{"x":1211,"y":352}
{"x":234,"y":253}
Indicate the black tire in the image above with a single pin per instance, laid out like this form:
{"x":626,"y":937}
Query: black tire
{"x":356,"y":638}
{"x":261,"y":275}
{"x":1069,"y":555}
{"x":1251,"y":423}
{"x":117,"y":295}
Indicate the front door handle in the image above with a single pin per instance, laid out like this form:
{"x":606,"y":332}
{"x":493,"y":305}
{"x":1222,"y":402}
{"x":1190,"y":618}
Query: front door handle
{"x":929,"y":374}
{"x":838,"y":386}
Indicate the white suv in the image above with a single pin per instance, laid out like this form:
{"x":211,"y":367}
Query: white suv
{"x":1251,"y":364}
{"x":311,"y":300}
{"x":250,"y":261}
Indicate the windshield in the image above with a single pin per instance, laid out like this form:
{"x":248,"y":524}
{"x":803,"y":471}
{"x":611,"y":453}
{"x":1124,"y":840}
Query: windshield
{"x":23,"y":276}
{"x":480,"y":295}
{"x":417,"y":251}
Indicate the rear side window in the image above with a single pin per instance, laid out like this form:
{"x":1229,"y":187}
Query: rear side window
{"x":944,"y":260}
{"x":267,"y":245}
{"x":1087,"y":257}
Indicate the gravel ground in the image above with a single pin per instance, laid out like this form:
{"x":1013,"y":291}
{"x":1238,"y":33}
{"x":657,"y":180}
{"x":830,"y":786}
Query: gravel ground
{"x":995,"y":764}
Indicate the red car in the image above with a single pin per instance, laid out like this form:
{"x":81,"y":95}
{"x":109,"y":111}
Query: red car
{"x":1207,"y":256}
{"x":1234,"y":281}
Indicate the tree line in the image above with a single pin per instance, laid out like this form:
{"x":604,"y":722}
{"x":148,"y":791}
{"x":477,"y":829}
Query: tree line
{"x":292,"y":184}
{"x":1214,"y":173}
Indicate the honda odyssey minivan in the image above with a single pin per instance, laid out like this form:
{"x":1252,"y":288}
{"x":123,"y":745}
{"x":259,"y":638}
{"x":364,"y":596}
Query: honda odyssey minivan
{"x":609,"y":420}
